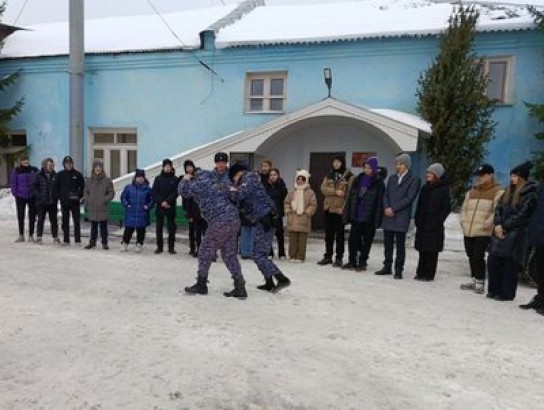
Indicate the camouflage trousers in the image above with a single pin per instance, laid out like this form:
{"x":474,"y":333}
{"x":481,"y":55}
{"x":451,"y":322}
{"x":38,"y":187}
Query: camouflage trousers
{"x":220,"y":236}
{"x":261,"y":249}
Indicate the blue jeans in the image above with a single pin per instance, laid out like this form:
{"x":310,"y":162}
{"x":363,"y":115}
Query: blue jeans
{"x":389,"y":239}
{"x":247,"y":236}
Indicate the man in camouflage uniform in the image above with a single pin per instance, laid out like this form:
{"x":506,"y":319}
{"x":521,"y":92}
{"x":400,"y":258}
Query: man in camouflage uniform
{"x":223,"y":226}
{"x":249,"y":193}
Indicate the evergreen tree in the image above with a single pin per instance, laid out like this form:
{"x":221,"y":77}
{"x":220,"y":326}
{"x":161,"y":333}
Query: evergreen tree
{"x":452,"y":97}
{"x":7,"y":114}
{"x":537,"y":111}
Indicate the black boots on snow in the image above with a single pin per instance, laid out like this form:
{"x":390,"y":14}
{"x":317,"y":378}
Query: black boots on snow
{"x":536,"y":303}
{"x":268,"y":284}
{"x":239,"y":290}
{"x":200,"y":287}
{"x":283,"y":282}
{"x":91,"y":245}
{"x":325,"y":261}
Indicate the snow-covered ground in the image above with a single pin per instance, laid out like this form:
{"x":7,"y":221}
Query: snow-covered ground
{"x":106,"y":330}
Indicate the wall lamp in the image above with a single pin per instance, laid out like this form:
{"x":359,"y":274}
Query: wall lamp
{"x":327,"y":74}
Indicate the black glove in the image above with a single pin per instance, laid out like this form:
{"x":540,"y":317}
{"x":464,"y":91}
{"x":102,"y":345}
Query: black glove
{"x":266,"y":221}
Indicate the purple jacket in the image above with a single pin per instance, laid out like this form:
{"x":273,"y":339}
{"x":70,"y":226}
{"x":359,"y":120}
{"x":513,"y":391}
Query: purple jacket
{"x":21,"y":181}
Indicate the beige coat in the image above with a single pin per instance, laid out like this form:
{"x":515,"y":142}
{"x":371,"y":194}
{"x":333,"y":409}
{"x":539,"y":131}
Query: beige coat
{"x":300,"y":223}
{"x":332,"y":202}
{"x":478,"y":209}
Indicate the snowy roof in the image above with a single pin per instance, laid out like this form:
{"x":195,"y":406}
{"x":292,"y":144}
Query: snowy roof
{"x":406,"y":118}
{"x":351,"y":20}
{"x":280,"y":24}
{"x":117,"y":34}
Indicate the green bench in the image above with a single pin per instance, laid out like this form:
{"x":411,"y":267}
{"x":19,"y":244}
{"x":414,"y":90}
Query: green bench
{"x":117,"y":214}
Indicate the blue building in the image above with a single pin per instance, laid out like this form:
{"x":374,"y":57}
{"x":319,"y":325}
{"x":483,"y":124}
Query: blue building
{"x":249,"y":80}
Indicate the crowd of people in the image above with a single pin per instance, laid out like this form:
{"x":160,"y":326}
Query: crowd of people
{"x":234,"y":210}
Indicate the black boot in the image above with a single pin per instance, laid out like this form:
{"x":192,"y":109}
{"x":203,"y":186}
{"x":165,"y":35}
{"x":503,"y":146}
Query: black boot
{"x":384,"y":271}
{"x":337,"y":263}
{"x":325,"y":261}
{"x":172,"y":251}
{"x":200,"y":287}
{"x":283,"y":282}
{"x":362,"y":266}
{"x":536,"y":303}
{"x":158,"y":250}
{"x":91,"y":245}
{"x":268,"y":284}
{"x":398,"y":275}
{"x":239,"y":290}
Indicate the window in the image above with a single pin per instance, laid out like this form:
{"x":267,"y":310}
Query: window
{"x":118,"y":149}
{"x":15,"y":139}
{"x":499,"y":71}
{"x":13,"y":143}
{"x":265,"y":92}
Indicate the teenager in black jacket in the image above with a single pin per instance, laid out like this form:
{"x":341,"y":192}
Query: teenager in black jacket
{"x":43,"y":190}
{"x":69,"y":186}
{"x":277,"y":191}
{"x":165,"y":193}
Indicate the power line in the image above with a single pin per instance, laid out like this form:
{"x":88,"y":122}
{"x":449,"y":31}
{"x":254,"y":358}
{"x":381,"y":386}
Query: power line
{"x":20,"y":12}
{"x":202,"y":63}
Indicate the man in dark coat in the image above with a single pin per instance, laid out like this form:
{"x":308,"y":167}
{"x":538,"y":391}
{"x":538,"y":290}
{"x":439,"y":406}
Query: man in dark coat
{"x":165,"y":193}
{"x":69,"y":186}
{"x":43,"y":190}
{"x":536,"y":240}
{"x":402,"y":189}
{"x":433,"y":207}
{"x":21,"y":184}
{"x":364,"y":211}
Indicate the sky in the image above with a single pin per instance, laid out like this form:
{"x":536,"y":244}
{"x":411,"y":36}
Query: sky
{"x":40,"y":11}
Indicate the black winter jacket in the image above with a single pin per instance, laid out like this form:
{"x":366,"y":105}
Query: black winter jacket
{"x":373,"y":201}
{"x":43,"y":188}
{"x":516,"y":218}
{"x":165,"y":188}
{"x":69,"y":186}
{"x":536,"y":227}
{"x":433,"y":207}
{"x":277,"y":192}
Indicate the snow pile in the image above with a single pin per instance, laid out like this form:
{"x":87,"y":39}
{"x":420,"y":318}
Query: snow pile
{"x":8,"y":211}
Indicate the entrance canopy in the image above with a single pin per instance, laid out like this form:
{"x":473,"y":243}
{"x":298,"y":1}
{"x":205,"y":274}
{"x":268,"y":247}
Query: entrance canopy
{"x":401,"y":130}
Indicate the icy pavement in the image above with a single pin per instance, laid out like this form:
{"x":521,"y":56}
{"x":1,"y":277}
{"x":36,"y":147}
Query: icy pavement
{"x":107,"y":330}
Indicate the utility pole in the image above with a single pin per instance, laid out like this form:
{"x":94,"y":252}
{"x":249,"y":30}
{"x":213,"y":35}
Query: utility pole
{"x":77,"y":56}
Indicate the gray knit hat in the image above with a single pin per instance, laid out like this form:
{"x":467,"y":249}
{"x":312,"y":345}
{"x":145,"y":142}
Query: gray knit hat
{"x":405,"y":159}
{"x":437,"y":169}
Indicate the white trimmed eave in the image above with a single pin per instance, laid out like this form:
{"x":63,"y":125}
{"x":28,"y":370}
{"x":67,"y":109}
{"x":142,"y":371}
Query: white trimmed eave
{"x":402,"y":129}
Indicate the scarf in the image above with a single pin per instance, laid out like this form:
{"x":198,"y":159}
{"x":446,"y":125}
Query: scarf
{"x":298,"y":199}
